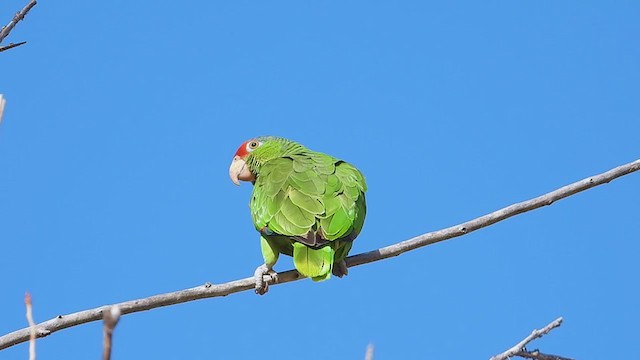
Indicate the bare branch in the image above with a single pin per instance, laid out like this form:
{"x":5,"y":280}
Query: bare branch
{"x":11,"y":46}
{"x":2,"y":102}
{"x":209,"y":290}
{"x":369,"y":354}
{"x":520,"y":347}
{"x":537,"y":355}
{"x":110,"y":317}
{"x":4,"y":32}
{"x":32,"y":326}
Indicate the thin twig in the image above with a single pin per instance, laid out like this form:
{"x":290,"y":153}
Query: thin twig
{"x":369,"y":354}
{"x":32,"y":326}
{"x":19,"y":16}
{"x":520,"y":347}
{"x":11,"y":46}
{"x":537,"y":355}
{"x":209,"y":290}
{"x":4,"y":32}
{"x":110,"y":317}
{"x":2,"y":102}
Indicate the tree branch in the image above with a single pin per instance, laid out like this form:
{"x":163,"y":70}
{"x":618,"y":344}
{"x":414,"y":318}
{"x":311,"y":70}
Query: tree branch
{"x":32,"y":326}
{"x":2,"y":103}
{"x":11,"y":46}
{"x":111,"y":317}
{"x":4,"y":32}
{"x":519,"y":348}
{"x":537,"y":355}
{"x":369,"y":354}
{"x":209,"y":290}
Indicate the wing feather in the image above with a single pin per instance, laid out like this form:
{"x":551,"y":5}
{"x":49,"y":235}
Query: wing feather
{"x":311,"y":198}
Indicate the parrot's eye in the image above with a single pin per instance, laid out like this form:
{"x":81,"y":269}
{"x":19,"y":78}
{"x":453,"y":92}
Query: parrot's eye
{"x":252,"y":145}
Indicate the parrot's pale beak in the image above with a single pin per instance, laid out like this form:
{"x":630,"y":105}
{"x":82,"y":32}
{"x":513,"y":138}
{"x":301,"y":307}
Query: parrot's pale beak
{"x":240,"y":171}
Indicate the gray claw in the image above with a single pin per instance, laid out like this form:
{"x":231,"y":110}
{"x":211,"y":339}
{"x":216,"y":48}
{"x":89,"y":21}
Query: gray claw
{"x":261,"y":286}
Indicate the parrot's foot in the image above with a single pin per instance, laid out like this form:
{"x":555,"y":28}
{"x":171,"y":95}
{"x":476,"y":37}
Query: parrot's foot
{"x":261,"y":286}
{"x":340,"y":269}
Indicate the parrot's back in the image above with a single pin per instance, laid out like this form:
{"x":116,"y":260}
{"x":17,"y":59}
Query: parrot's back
{"x":310,"y":206}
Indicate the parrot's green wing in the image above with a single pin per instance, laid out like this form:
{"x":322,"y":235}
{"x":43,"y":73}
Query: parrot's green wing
{"x":344,"y":203}
{"x":314,"y":201}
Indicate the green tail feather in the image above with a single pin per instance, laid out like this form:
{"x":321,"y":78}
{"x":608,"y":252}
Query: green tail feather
{"x":316,"y":264}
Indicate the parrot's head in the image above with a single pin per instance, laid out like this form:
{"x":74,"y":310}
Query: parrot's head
{"x":252,"y":154}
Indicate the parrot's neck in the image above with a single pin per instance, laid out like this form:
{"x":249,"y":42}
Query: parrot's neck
{"x":280,"y":148}
{"x":292,"y":148}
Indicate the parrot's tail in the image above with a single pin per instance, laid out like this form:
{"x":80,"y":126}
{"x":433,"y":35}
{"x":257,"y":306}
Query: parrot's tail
{"x":313,"y":263}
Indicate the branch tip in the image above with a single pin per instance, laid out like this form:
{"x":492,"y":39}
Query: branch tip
{"x":111,"y":316}
{"x":2,"y":103}
{"x":520,"y":348}
{"x":32,"y":326}
{"x":369,"y":353}
{"x":19,"y":16}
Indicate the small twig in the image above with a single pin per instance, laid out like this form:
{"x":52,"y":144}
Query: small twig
{"x":11,"y":46}
{"x":110,"y":316}
{"x":209,"y":290}
{"x":32,"y":326}
{"x":4,"y":32}
{"x":537,"y":355}
{"x":2,"y":102}
{"x":369,"y":354}
{"x":520,"y":347}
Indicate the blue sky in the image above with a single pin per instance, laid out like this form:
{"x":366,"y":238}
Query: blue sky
{"x":122,"y":118}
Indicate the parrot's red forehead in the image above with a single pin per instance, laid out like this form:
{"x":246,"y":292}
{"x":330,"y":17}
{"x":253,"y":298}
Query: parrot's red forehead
{"x":242,"y":150}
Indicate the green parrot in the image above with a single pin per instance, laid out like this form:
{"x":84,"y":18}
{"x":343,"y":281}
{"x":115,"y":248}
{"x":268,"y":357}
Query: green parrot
{"x":304,"y":204}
